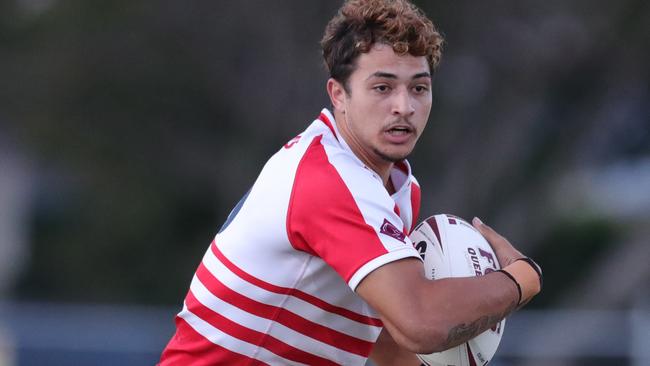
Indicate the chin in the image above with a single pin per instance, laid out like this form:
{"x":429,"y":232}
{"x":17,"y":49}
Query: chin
{"x":393,"y":156}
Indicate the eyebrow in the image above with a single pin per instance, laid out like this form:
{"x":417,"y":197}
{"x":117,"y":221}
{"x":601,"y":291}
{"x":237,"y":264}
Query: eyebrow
{"x":381,"y":74}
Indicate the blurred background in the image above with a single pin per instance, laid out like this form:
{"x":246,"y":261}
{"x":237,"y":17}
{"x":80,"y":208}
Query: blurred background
{"x":129,"y":129}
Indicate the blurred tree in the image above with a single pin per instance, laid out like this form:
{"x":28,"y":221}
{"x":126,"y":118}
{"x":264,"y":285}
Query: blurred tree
{"x":148,"y":120}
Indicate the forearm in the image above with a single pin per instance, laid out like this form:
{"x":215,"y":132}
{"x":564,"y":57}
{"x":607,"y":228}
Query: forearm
{"x":427,"y":316}
{"x":470,"y":306}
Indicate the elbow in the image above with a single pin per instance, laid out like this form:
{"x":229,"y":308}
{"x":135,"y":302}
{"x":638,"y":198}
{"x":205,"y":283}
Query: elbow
{"x":424,"y":337}
{"x":431,"y":342}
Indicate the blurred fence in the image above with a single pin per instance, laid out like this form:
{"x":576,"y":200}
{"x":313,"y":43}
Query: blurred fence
{"x":41,"y":334}
{"x":54,"y":334}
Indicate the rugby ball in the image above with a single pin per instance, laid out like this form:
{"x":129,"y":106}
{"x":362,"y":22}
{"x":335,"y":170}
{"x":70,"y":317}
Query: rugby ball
{"x":452,"y":247}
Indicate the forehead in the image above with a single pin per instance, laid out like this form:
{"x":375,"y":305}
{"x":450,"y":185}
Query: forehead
{"x":381,"y":58}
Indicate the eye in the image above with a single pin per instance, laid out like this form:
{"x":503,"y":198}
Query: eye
{"x":420,"y":89}
{"x":382,"y":88}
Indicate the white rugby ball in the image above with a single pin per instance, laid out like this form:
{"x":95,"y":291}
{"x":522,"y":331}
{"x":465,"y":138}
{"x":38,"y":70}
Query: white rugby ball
{"x":451,"y":247}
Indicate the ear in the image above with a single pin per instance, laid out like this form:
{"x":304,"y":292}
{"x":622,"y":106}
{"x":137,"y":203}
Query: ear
{"x":337,"y":94}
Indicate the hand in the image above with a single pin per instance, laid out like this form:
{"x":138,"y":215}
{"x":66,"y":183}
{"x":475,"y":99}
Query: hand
{"x":526,"y":274}
{"x":505,"y":252}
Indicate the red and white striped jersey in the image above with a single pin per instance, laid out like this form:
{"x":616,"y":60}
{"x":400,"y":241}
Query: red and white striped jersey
{"x":276,"y":286}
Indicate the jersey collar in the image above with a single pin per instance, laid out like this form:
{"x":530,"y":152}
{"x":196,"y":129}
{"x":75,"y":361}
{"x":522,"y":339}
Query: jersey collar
{"x":401,"y":171}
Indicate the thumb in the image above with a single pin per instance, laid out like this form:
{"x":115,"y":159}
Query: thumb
{"x":487,"y":232}
{"x":501,"y":246}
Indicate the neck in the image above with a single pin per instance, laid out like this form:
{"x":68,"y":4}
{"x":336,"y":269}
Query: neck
{"x":378,"y":165}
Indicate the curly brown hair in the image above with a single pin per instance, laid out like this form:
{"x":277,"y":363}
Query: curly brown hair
{"x":361,"y":23}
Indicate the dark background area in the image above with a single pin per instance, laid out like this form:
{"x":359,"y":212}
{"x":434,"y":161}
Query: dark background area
{"x":129,"y":129}
{"x":143,"y":122}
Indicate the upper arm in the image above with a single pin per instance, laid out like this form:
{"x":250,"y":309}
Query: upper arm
{"x":343,"y":215}
{"x":394,"y":291}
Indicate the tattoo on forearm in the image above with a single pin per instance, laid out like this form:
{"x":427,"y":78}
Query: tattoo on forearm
{"x":464,"y":332}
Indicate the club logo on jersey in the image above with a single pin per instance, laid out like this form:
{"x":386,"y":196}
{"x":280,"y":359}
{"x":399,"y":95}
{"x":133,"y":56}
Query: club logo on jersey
{"x":292,"y":142}
{"x":389,"y":229}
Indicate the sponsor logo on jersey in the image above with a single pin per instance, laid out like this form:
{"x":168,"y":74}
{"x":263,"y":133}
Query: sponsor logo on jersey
{"x":387,"y":228}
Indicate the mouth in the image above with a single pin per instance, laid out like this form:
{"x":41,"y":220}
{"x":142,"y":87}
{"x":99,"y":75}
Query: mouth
{"x":399,"y":130}
{"x":399,"y":134}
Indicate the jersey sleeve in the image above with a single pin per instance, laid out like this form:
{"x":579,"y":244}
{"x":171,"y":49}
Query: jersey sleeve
{"x":340,"y":212}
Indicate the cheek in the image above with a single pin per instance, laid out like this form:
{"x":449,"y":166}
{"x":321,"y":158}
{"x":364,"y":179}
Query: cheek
{"x":368,"y":104}
{"x":424,"y":110}
{"x":423,"y":115}
{"x":425,"y":104}
{"x":365,"y":111}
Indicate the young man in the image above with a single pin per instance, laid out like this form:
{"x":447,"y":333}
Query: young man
{"x":314,"y":265}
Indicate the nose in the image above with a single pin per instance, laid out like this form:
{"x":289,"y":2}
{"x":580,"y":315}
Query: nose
{"x":403,"y":103}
